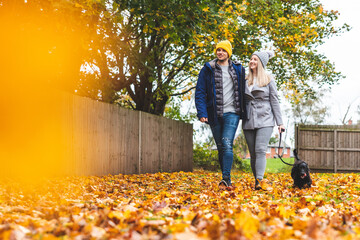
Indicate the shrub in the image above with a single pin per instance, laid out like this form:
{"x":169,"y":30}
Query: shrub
{"x":240,"y":164}
{"x":207,"y":159}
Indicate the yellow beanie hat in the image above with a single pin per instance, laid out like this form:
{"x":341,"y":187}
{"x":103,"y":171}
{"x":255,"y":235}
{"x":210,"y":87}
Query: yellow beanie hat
{"x":226,"y":45}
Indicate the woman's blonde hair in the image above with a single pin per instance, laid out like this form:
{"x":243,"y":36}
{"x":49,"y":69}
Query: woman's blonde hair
{"x":262,"y":78}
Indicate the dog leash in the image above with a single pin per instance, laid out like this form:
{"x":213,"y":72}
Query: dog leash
{"x":280,"y":156}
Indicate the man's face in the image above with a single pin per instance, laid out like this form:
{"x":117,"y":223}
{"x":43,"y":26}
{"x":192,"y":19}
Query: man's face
{"x":221,"y":54}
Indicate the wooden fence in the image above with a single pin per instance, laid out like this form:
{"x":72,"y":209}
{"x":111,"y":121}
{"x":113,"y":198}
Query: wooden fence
{"x":72,"y":135}
{"x":329,"y":148}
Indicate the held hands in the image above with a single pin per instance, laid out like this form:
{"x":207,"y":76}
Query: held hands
{"x":281,"y":128}
{"x":203,"y":120}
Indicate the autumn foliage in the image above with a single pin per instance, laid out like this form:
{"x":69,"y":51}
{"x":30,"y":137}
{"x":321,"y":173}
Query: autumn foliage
{"x":141,"y":54}
{"x":180,"y":206}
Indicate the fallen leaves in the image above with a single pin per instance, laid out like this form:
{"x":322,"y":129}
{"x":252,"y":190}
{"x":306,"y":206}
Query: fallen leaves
{"x":180,"y":206}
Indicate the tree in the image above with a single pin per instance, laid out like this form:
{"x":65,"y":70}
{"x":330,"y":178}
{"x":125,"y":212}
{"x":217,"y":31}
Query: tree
{"x":156,"y":48}
{"x":346,"y":118}
{"x":140,"y":53}
{"x":293,"y":29}
{"x":310,"y":110}
{"x":173,"y":111}
{"x":148,"y":51}
{"x":273,"y":139}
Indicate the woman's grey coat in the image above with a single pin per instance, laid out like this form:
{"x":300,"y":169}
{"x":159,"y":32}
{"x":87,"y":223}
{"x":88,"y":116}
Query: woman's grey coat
{"x":262,"y":105}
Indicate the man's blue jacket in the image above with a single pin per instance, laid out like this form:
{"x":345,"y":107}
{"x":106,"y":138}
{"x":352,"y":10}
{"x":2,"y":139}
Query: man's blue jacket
{"x":205,"y":94}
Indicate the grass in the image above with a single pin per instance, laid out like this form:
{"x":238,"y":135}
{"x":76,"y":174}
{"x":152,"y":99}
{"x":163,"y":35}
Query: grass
{"x":274,"y":165}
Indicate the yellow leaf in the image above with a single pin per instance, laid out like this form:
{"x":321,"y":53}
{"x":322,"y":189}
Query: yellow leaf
{"x":248,"y":223}
{"x":206,"y":9}
{"x":216,"y":218}
{"x":116,"y":214}
{"x":178,"y":227}
{"x":286,"y":212}
{"x":299,"y":224}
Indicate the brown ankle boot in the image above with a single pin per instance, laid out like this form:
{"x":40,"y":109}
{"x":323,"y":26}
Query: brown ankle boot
{"x":262,"y":185}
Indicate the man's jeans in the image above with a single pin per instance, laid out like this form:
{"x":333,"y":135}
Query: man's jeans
{"x":224,"y":133}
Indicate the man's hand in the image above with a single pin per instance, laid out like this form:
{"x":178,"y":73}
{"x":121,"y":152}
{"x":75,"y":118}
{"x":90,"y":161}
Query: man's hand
{"x":203,"y":120}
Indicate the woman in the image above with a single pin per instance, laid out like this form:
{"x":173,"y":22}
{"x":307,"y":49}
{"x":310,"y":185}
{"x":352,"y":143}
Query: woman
{"x":263,"y":110}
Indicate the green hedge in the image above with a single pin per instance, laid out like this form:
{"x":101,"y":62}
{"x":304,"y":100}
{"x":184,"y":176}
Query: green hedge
{"x":207,"y":159}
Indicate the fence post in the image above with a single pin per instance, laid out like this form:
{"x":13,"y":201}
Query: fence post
{"x":335,"y":151}
{"x":297,"y":137}
{"x":140,"y":140}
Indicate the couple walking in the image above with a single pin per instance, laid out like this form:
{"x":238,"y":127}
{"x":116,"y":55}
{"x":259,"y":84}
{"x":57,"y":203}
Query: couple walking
{"x":224,"y":96}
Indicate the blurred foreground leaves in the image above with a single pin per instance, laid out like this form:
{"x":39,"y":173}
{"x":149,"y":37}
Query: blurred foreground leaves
{"x":180,"y":206}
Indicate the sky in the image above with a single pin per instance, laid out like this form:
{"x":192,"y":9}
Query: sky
{"x":344,"y":51}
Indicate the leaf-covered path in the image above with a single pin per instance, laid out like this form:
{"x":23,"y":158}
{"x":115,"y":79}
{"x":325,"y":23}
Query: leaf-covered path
{"x":180,"y":206}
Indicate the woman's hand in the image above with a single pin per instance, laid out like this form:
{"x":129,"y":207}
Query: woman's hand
{"x":281,"y":128}
{"x":203,"y":120}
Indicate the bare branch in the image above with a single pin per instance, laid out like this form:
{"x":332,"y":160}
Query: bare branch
{"x":182,"y":93}
{"x":345,"y":120}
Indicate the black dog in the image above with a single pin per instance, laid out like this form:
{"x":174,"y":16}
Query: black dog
{"x":300,"y":173}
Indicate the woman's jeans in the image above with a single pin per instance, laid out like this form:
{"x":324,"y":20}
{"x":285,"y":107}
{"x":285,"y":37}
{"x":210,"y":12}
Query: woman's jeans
{"x":224,"y":133}
{"x":258,"y":141}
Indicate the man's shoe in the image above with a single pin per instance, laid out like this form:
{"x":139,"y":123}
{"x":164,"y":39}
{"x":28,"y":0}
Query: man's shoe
{"x":226,"y":183}
{"x":223,"y":184}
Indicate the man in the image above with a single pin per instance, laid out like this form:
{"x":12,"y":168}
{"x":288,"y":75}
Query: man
{"x":219,"y":100}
